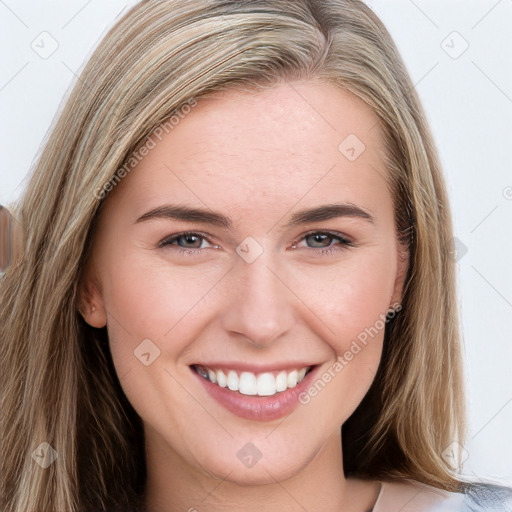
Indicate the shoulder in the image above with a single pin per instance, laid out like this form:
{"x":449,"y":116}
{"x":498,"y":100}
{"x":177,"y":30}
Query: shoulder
{"x":412,"y":496}
{"x":488,"y":496}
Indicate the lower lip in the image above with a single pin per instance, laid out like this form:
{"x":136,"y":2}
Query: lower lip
{"x":253,"y":407}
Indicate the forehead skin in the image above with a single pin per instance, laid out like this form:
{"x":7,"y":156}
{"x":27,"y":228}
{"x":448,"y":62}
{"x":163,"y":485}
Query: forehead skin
{"x":268,"y":152}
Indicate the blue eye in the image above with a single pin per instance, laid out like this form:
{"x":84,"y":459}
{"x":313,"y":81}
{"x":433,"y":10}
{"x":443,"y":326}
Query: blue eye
{"x":188,"y":237}
{"x":190,"y":242}
{"x":321,"y":237}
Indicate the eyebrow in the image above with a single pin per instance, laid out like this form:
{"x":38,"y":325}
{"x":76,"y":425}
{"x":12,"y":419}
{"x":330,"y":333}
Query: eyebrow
{"x":207,"y":216}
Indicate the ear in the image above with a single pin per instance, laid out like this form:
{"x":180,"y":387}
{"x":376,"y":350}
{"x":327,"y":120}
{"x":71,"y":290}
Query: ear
{"x":401,"y":273}
{"x":90,"y":299}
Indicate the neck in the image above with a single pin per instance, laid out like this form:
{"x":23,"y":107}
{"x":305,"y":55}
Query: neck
{"x":175,"y":485}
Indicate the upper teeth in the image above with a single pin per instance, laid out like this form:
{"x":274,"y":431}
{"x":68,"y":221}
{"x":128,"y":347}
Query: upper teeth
{"x":248,"y":383}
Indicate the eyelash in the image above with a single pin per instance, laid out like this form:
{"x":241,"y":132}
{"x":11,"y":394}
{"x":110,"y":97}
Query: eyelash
{"x":343,"y":242}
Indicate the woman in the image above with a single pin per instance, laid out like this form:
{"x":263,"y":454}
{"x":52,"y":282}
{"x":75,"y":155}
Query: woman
{"x":142,"y":373}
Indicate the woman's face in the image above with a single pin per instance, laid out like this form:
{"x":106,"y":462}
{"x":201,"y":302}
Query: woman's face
{"x":290,"y":264}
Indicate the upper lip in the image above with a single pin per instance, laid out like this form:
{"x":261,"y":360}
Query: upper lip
{"x":255,"y":368}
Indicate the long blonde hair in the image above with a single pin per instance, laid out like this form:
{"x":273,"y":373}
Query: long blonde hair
{"x":58,"y":381}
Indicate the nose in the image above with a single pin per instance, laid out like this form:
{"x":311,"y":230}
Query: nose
{"x":260,"y":305}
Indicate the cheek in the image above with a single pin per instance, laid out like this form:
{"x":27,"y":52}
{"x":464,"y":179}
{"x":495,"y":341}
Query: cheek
{"x":353,"y":297}
{"x":158,"y":309}
{"x":154,"y":312}
{"x":150,"y":298}
{"x":351,"y":302}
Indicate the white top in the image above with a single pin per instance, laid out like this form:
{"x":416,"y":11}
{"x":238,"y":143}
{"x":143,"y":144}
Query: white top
{"x":412,"y":496}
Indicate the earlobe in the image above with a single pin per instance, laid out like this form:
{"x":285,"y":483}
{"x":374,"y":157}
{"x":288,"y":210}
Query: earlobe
{"x":401,"y":273}
{"x":90,"y":303}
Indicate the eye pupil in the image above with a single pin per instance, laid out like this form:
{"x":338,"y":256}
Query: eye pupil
{"x":190,"y":239}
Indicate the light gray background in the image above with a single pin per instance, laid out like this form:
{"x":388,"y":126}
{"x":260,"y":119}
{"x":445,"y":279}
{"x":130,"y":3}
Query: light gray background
{"x":468,"y":99}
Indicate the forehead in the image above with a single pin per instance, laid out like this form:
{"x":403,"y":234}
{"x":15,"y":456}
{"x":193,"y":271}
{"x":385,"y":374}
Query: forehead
{"x":250,"y":152}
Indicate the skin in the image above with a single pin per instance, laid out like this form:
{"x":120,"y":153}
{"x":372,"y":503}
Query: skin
{"x":256,"y":158}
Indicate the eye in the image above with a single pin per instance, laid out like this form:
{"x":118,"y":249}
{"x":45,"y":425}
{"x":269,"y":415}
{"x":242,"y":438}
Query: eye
{"x":322,"y":240}
{"x":190,"y":242}
{"x":187,"y":242}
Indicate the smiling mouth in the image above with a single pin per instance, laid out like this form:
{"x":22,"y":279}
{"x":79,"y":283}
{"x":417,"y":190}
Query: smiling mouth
{"x":252,"y":384}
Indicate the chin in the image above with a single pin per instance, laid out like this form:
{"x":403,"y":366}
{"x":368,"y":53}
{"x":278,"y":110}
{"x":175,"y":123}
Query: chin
{"x":258,"y":461}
